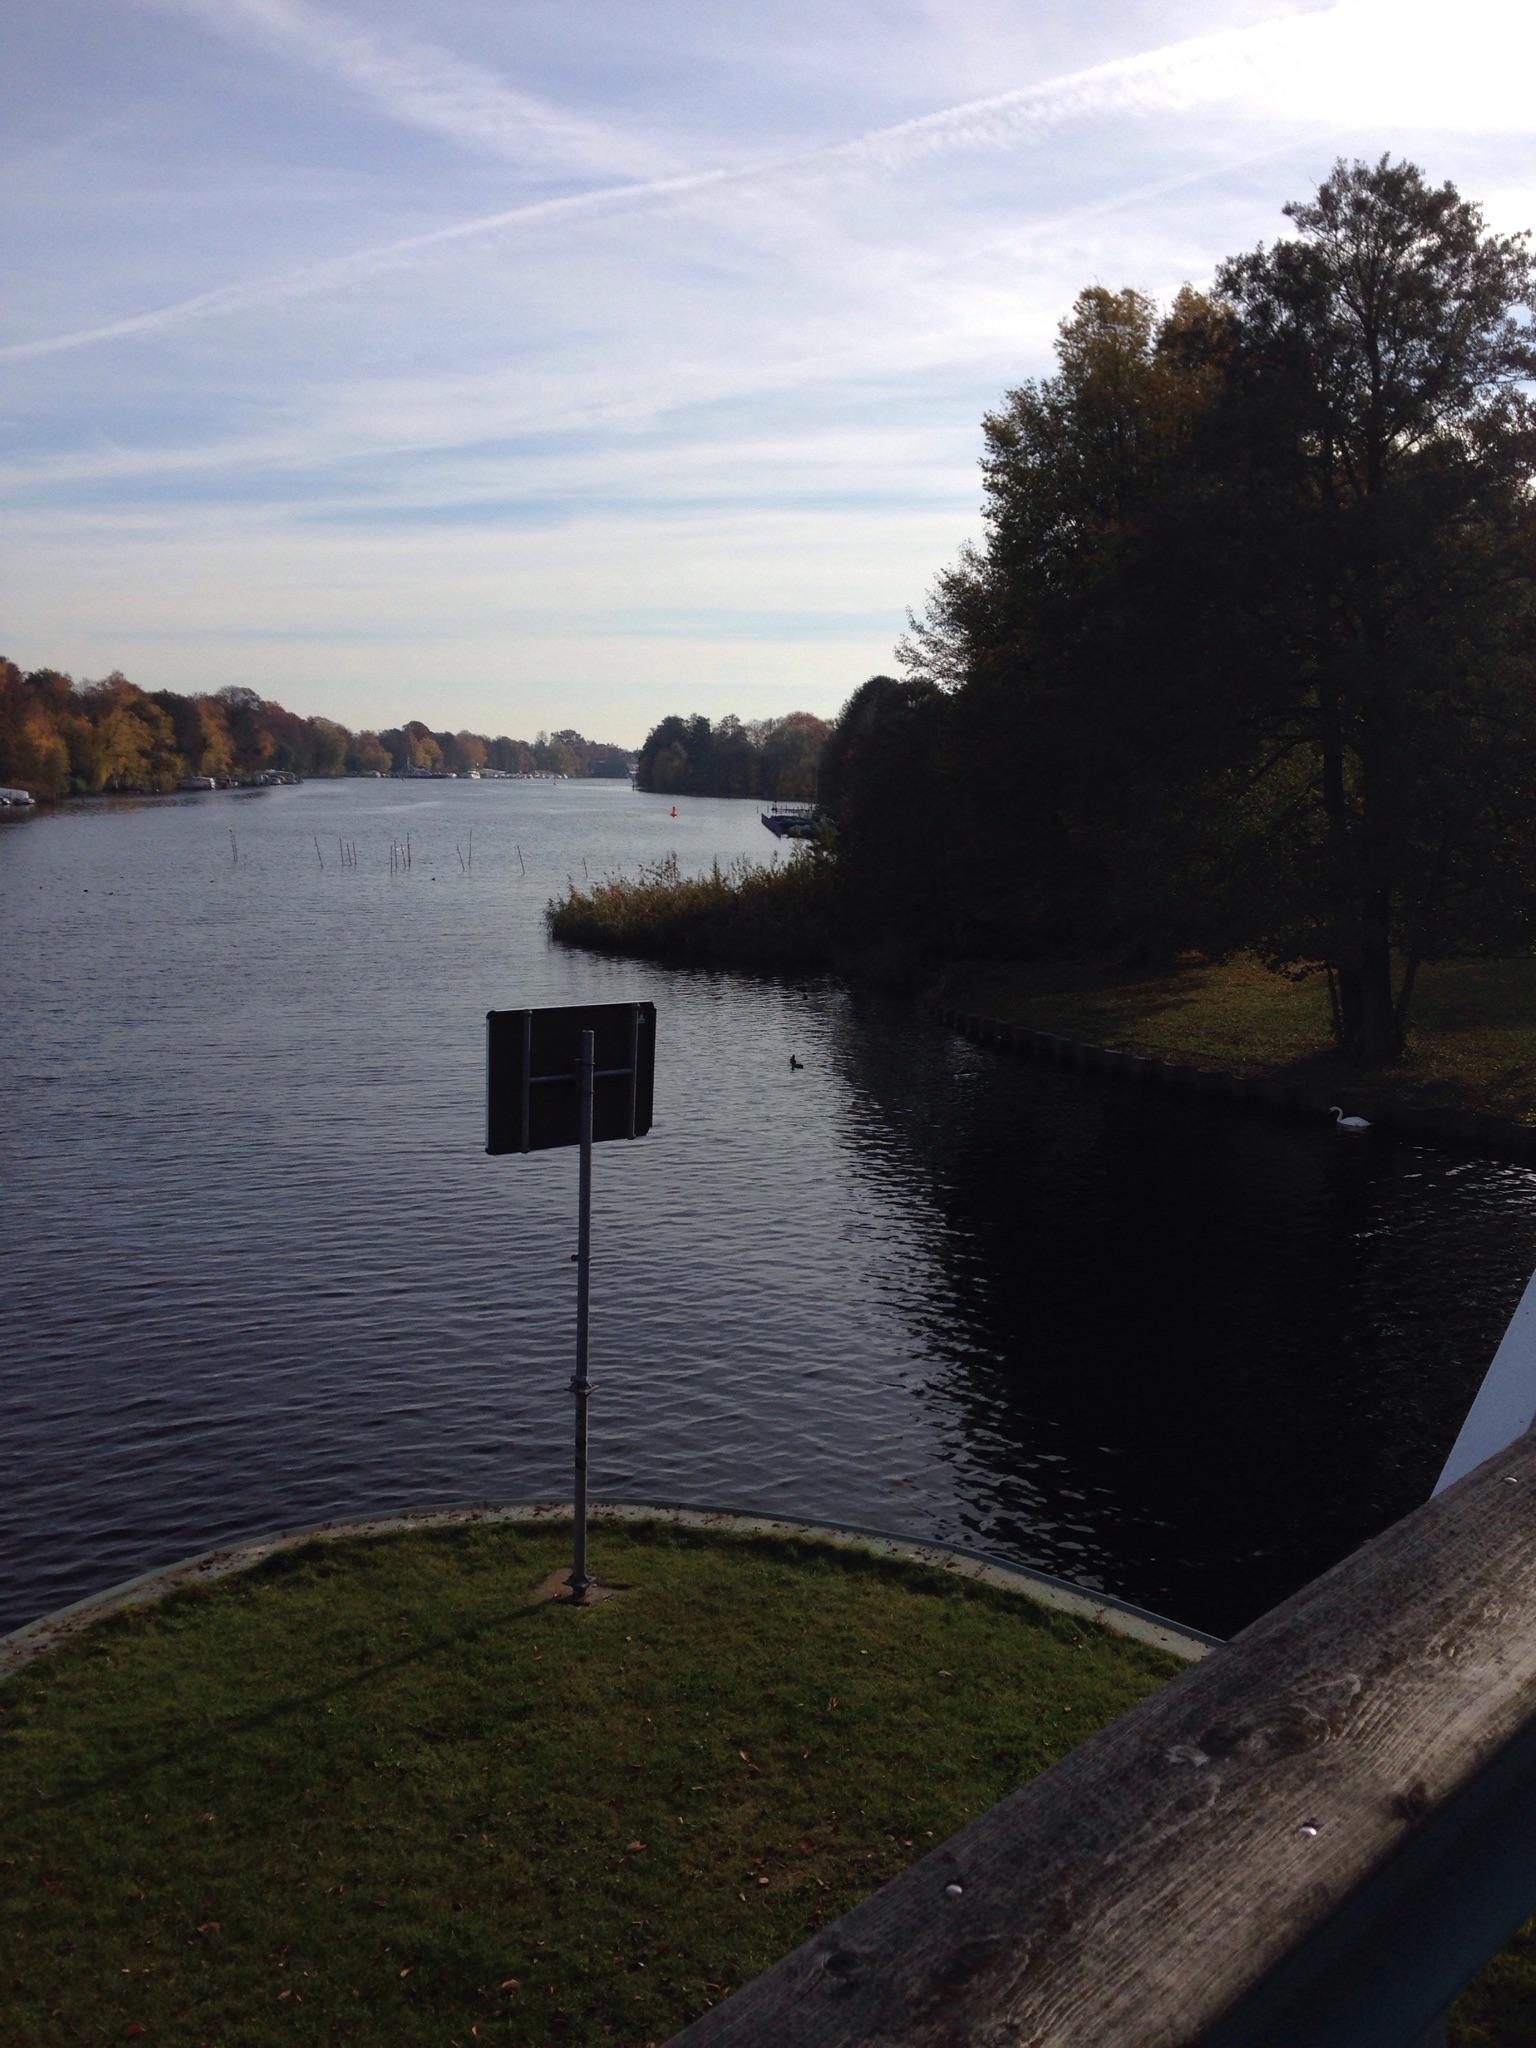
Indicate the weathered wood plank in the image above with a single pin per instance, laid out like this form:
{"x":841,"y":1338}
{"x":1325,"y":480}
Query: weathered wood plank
{"x":1147,"y":1884}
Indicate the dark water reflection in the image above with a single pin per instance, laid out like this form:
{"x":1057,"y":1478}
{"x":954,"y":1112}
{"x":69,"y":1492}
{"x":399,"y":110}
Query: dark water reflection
{"x":1185,"y":1354}
{"x":256,"y":1269}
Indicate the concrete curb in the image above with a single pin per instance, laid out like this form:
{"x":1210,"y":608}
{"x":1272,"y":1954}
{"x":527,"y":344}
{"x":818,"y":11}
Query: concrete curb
{"x":1461,"y":1130}
{"x":24,"y":1645}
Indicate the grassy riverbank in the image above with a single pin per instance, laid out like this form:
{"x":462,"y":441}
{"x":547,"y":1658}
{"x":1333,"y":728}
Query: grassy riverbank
{"x":379,"y":1791}
{"x":752,"y":914}
{"x":1472,"y":1041}
{"x":375,"y":1792}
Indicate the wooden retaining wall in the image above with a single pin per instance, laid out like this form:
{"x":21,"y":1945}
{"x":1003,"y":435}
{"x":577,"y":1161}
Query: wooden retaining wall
{"x":1421,"y":1123}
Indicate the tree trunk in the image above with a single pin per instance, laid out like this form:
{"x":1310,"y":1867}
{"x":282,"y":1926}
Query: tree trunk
{"x":1349,"y":1008}
{"x":1377,"y":1037}
{"x":1405,"y":997}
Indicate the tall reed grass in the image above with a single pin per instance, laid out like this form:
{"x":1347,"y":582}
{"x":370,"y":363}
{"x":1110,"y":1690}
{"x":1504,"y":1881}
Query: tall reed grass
{"x":749,"y":914}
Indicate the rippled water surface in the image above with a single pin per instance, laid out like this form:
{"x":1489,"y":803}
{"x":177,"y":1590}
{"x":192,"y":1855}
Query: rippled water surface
{"x":256,"y":1269}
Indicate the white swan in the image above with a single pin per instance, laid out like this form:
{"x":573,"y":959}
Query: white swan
{"x":1341,"y":1122}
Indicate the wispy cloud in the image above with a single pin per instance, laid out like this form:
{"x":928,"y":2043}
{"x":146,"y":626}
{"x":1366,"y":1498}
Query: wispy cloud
{"x":1215,"y":65}
{"x":369,"y":420}
{"x":334,"y":273}
{"x":423,"y":86}
{"x":660,"y":383}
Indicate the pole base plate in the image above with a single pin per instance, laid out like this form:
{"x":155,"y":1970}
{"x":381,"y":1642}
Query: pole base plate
{"x":557,"y":1587}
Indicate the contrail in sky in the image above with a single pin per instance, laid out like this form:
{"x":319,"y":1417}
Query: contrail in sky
{"x":424,"y":86}
{"x":1200,"y":67}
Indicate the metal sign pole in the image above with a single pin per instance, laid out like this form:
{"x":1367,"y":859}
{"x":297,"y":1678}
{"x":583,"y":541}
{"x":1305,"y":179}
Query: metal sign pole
{"x":581,"y":1386}
{"x":533,"y":1058}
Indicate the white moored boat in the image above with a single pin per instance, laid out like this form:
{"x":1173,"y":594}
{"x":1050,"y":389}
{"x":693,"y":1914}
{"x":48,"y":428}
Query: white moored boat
{"x":792,"y":821}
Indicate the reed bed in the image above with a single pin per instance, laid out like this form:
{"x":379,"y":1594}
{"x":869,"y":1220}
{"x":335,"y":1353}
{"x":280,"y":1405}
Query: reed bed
{"x":749,"y":914}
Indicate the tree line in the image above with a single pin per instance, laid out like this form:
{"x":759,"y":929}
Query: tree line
{"x":768,"y":757}
{"x":60,"y":738}
{"x":1246,"y":656}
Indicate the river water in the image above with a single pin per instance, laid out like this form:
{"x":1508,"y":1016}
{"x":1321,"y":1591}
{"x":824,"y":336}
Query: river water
{"x":256,"y":1269}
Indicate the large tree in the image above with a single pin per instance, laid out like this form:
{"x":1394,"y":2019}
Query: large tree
{"x":1251,"y":631}
{"x":1071,"y":730}
{"x":1380,"y":452}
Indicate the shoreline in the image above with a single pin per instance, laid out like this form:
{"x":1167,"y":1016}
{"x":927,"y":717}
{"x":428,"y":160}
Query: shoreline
{"x":1296,"y":1101}
{"x":1233,"y":1027}
{"x":34,"y":1639}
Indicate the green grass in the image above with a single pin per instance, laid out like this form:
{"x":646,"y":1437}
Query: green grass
{"x":1472,"y":1036}
{"x":753,"y":914}
{"x":372,"y":1793}
{"x":1499,"y":2010}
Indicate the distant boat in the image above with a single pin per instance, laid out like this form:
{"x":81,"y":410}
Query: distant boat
{"x":19,"y":799}
{"x":197,"y":782}
{"x":793,"y":821}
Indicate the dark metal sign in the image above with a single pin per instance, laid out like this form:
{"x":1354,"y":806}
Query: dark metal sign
{"x":571,"y":1077}
{"x":533,"y":1073}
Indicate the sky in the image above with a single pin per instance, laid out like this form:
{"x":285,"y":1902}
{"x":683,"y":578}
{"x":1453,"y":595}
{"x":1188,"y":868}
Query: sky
{"x":517,"y":365}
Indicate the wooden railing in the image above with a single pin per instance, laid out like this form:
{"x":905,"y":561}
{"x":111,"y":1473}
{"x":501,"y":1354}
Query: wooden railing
{"x":1311,"y":1839}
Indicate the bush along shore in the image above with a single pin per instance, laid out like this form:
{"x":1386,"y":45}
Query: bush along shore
{"x":775,"y":915}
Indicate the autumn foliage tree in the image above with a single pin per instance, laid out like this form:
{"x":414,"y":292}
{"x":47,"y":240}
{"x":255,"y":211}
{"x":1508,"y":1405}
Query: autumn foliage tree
{"x":58,"y":737}
{"x":1247,"y":656}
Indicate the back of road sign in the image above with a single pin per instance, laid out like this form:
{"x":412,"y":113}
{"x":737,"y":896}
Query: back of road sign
{"x":532,"y":1056}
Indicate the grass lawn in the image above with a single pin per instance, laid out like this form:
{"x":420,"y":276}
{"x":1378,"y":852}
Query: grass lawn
{"x":1472,"y":1033}
{"x":372,"y":1792}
